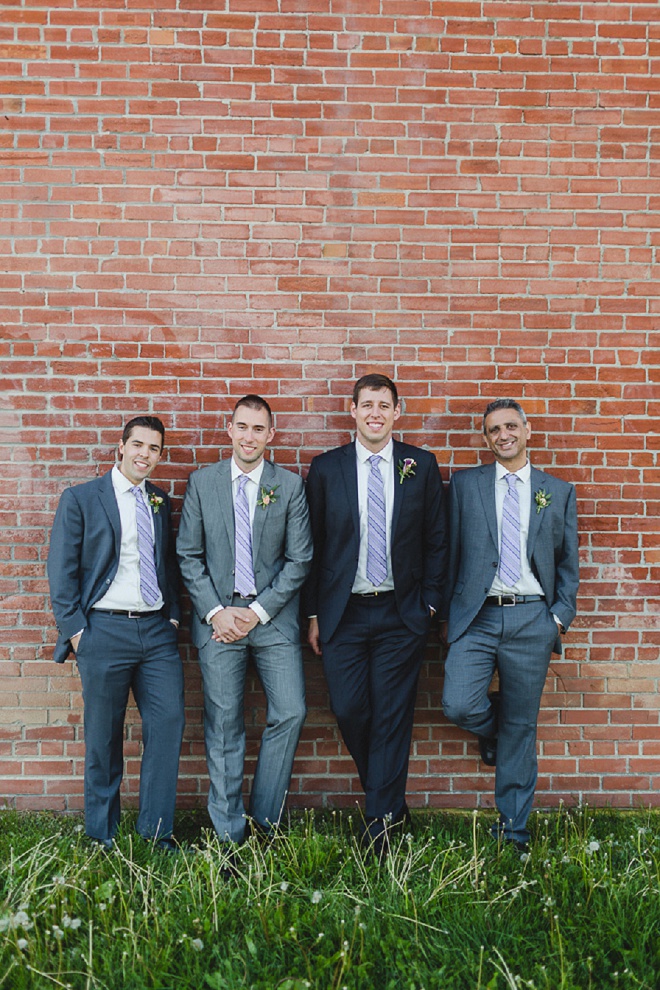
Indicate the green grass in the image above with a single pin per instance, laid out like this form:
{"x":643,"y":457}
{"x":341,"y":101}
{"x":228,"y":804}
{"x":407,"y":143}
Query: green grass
{"x":446,"y":910}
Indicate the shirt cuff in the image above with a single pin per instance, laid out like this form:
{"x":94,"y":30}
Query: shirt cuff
{"x":558,"y":621}
{"x":261,"y":612}
{"x":209,"y":615}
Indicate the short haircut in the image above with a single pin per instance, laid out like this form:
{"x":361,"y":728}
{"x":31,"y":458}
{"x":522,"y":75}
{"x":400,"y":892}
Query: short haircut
{"x":375,"y":383}
{"x":503,"y":404}
{"x":149,"y":423}
{"x":254,"y":402}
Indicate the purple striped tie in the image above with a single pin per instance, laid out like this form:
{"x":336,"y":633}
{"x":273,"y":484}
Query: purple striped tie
{"x":244,"y":572}
{"x":376,"y":538}
{"x":148,"y":580}
{"x":510,"y":547}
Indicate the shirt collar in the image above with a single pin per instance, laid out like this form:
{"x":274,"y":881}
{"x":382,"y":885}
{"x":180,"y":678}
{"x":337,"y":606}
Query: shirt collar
{"x":121,"y":483}
{"x":524,"y":473}
{"x":253,"y":475}
{"x":363,"y":455}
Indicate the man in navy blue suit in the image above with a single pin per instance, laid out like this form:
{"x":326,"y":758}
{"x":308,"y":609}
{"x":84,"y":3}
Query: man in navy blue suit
{"x":113,"y":585}
{"x":378,"y":523}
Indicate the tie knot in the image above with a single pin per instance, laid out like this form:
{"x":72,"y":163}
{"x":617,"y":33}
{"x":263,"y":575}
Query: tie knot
{"x":511,"y":480}
{"x":137,"y":491}
{"x":242,"y":482}
{"x":375,"y":460}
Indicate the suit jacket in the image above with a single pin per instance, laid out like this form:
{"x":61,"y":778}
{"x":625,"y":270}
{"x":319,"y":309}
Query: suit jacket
{"x":84,"y":555}
{"x":417,"y":543}
{"x":281,"y":546}
{"x":552,"y":545}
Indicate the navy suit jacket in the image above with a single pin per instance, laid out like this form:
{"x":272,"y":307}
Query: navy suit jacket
{"x":84,"y":555}
{"x":552,"y":545}
{"x":281,"y":546}
{"x":418,"y":540}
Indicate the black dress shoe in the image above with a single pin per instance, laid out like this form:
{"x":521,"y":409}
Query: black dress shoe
{"x":106,"y":845}
{"x":488,"y":744}
{"x":517,"y":844}
{"x":488,"y":750}
{"x":165,"y":845}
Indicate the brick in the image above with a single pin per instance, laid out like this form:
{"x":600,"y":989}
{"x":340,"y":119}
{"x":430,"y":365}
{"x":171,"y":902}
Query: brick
{"x":287,"y":204}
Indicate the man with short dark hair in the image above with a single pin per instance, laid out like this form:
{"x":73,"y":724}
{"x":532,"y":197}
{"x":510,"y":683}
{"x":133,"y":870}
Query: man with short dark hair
{"x":514,"y":577}
{"x":114,"y":591}
{"x":378,"y":522}
{"x":245,"y":549}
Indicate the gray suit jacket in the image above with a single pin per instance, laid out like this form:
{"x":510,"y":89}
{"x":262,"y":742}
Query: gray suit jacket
{"x":281,"y":546}
{"x":552,"y":545}
{"x":84,"y":555}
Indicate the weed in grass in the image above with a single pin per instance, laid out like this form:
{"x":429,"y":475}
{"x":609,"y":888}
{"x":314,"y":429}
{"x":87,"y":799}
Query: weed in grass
{"x":446,"y":907}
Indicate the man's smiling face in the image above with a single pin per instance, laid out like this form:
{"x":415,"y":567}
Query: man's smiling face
{"x":375,"y":415}
{"x":251,"y":432}
{"x":140,"y":454}
{"x":507,"y":436}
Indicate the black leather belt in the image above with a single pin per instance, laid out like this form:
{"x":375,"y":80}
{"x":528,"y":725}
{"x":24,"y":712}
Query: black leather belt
{"x":505,"y":600}
{"x":371,"y":594}
{"x":129,"y":614}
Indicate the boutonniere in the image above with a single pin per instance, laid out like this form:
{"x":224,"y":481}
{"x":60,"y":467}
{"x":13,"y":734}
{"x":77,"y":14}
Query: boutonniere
{"x":542,"y":500}
{"x":267,"y":496}
{"x":155,"y":501}
{"x":406,"y":469}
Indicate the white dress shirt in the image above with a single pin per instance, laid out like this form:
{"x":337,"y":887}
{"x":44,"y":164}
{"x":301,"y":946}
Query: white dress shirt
{"x":526,"y":584}
{"x":252,"y":494}
{"x":362,"y":585}
{"x":124,"y":592}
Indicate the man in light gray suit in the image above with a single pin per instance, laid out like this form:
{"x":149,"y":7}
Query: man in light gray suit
{"x":244,"y":549}
{"x":514,"y":578}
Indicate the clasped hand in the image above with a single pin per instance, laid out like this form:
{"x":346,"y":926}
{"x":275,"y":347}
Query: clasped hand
{"x":231,"y":624}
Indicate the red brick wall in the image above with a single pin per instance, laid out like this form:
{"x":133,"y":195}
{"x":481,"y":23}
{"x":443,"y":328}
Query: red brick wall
{"x":205,"y":197}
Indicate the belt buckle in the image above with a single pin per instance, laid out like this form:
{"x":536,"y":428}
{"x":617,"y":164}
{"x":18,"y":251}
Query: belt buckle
{"x":133,"y":615}
{"x":505,"y":604}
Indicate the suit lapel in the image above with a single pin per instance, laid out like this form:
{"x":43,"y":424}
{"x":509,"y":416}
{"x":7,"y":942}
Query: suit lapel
{"x":109,"y":503}
{"x":537,"y":480}
{"x":349,"y":477}
{"x":397,"y":455}
{"x":225,"y":497}
{"x":260,"y":513}
{"x":158,"y":524}
{"x":486,"y":482}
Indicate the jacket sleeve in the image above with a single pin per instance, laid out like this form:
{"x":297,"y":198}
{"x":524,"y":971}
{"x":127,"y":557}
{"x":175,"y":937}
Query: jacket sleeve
{"x":435,"y":542}
{"x":297,"y":554}
{"x":191,"y":553}
{"x":315,"y":491}
{"x":567,"y":566}
{"x":63,"y":565}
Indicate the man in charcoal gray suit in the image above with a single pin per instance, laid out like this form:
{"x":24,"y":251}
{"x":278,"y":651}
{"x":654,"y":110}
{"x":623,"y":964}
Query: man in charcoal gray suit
{"x":513,"y":562}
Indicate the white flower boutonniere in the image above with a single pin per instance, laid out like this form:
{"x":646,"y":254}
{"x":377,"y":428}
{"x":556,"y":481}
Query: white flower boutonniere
{"x":542,"y":500}
{"x":155,"y":501}
{"x":267,"y":496}
{"x":406,"y":468}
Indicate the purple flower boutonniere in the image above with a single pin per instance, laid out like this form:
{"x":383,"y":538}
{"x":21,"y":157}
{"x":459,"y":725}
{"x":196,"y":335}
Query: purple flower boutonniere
{"x":406,"y":469}
{"x":267,"y":496}
{"x":542,"y":500}
{"x":155,"y":501}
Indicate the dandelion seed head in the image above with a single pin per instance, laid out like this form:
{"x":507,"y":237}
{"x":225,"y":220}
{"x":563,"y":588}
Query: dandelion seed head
{"x":316,"y":896}
{"x":284,"y":886}
{"x":197,"y":944}
{"x":22,"y":943}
